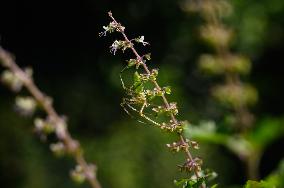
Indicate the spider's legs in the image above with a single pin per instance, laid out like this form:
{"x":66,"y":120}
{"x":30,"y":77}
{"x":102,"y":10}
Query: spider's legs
{"x":127,"y":102}
{"x":120,"y":76}
{"x":124,"y":104}
{"x":142,"y":108}
{"x":146,"y":117}
{"x":134,"y":109}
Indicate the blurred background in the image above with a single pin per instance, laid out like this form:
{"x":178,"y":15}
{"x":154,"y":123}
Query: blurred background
{"x":71,"y":63}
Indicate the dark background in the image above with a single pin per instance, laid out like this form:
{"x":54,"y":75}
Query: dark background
{"x":71,"y":63}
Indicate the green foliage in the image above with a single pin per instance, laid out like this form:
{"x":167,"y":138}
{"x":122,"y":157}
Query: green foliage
{"x":276,"y":178}
{"x":266,"y":131}
{"x":255,"y":184}
{"x":189,"y":183}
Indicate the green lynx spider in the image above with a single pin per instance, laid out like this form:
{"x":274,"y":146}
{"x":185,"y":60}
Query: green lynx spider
{"x":135,"y":97}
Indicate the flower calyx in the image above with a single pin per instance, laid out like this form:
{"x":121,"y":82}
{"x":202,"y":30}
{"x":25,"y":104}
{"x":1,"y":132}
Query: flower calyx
{"x":171,"y":109}
{"x":141,"y":40}
{"x":172,"y":127}
{"x":191,"y":165}
{"x":44,"y":126}
{"x":120,"y":44}
{"x":112,"y":27}
{"x":25,"y":105}
{"x":178,"y":146}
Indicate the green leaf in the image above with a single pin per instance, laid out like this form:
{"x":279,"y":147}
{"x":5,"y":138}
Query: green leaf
{"x":136,"y":78}
{"x":139,"y":88}
{"x":138,"y":85}
{"x":266,"y":131}
{"x":180,"y":182}
{"x":189,"y":183}
{"x":199,"y":182}
{"x":255,"y":184}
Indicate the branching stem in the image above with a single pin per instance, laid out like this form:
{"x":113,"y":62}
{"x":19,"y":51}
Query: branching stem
{"x":173,"y":118}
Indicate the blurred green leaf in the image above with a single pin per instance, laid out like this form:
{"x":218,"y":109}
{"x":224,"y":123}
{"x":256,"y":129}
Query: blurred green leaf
{"x":255,"y":184}
{"x":267,"y":130}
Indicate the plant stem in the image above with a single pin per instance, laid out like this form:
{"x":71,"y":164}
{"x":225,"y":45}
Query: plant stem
{"x":173,"y":118}
{"x":252,"y":164}
{"x":46,"y":104}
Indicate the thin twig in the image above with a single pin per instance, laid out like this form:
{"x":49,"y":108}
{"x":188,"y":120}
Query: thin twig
{"x":61,"y":132}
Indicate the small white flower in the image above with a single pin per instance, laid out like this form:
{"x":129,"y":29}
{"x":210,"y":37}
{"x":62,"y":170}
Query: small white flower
{"x":141,"y":40}
{"x":114,"y":47}
{"x":25,"y":105}
{"x":12,"y":80}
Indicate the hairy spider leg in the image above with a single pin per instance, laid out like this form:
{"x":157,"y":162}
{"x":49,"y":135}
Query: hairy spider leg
{"x":121,"y":80}
{"x":144,"y":116}
{"x":124,"y":108}
{"x":132,"y":108}
{"x":128,"y":103}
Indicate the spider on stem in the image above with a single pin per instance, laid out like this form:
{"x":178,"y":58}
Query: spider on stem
{"x":137,"y":96}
